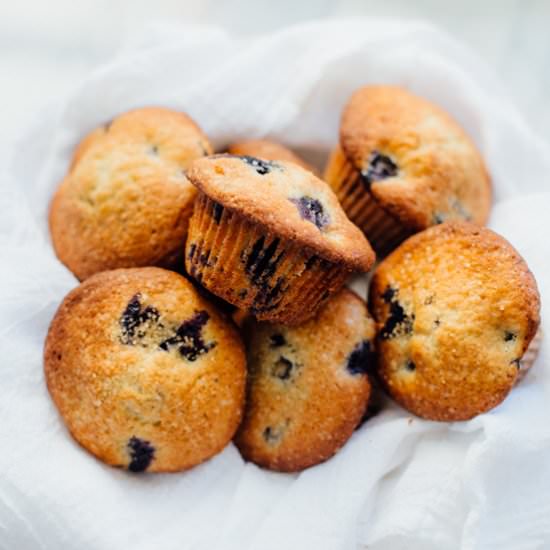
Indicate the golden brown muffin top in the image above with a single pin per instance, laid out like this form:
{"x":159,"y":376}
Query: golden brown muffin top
{"x":153,"y":128}
{"x":145,"y":372}
{"x":268,"y":150}
{"x":288,"y":201}
{"x":416,"y":161}
{"x":456,"y":307}
{"x":308,"y":388}
{"x":125,"y":201}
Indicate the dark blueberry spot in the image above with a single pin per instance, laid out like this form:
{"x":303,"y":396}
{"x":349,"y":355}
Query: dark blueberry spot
{"x":188,"y":337}
{"x":217,"y":212}
{"x":437,"y":322}
{"x":130,"y":316}
{"x":272,"y":435}
{"x":388,"y":294}
{"x":509,"y":336}
{"x":311,"y":210}
{"x":380,"y":167}
{"x":277,"y":340}
{"x":398,"y":321}
{"x":192,"y":250}
{"x":361,"y":359}
{"x":310,"y":262}
{"x":253,"y":255}
{"x":134,"y":318}
{"x":270,"y":293}
{"x":282,"y":368}
{"x":142,"y":454}
{"x":410,"y":366}
{"x":261,"y":166}
{"x":260,"y":264}
{"x":267,"y":434}
{"x":266,"y":298}
{"x":154,"y":150}
{"x":204,"y":257}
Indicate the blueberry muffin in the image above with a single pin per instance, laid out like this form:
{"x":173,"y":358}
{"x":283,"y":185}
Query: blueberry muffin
{"x":269,"y":237}
{"x":146,"y":373}
{"x":403,"y":165}
{"x":125,"y":201}
{"x":268,"y":150}
{"x":308,"y":387}
{"x":456,"y":308}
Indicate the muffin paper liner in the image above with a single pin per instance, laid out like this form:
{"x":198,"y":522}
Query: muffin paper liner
{"x":253,"y":269}
{"x":383,"y":231}
{"x":530,"y":355}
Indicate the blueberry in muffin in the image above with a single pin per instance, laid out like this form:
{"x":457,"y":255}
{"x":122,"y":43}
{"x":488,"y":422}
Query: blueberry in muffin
{"x":268,"y":150}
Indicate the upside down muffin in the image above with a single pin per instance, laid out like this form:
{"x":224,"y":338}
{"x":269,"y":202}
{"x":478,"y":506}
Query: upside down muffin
{"x":456,"y":308}
{"x":308,"y":386}
{"x":145,"y":372}
{"x":125,"y":201}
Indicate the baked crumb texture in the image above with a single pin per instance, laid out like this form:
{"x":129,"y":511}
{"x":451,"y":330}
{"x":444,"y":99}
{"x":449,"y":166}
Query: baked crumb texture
{"x":146,"y":374}
{"x":456,"y":308}
{"x":126,"y":201}
{"x":308,"y":386}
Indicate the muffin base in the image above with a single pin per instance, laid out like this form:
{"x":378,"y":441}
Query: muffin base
{"x":242,"y":262}
{"x":383,"y":231}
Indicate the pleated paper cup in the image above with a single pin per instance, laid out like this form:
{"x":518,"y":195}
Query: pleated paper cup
{"x":383,"y":231}
{"x":242,"y":262}
{"x":530,"y":355}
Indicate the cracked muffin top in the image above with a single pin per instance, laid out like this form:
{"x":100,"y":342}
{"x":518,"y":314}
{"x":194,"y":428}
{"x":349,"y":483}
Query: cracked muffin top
{"x":415,"y":160}
{"x":145,"y":372}
{"x":308,"y":386}
{"x":456,"y":307}
{"x":268,"y":150}
{"x":287,"y":201}
{"x":125,"y":201}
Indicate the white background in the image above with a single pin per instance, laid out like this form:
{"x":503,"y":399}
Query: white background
{"x":47,"y":47}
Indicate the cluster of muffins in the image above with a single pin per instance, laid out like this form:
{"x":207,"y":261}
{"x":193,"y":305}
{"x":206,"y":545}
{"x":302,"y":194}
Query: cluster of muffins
{"x":213,"y":304}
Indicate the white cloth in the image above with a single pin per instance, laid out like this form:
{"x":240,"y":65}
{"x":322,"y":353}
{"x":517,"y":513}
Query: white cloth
{"x":401,"y":482}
